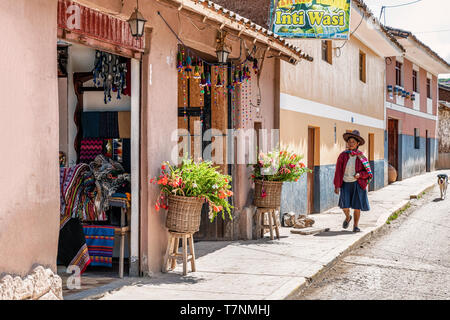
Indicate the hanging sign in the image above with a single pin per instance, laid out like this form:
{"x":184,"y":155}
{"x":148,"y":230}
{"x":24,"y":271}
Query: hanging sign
{"x":317,"y":19}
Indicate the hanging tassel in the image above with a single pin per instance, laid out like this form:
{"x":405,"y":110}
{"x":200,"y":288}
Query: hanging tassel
{"x":208,"y":79}
{"x":219,"y":83}
{"x":188,"y":64}
{"x":196,"y":75}
{"x":179,"y":61}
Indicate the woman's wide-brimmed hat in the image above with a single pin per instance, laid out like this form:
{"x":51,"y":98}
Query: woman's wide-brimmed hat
{"x":356,"y":135}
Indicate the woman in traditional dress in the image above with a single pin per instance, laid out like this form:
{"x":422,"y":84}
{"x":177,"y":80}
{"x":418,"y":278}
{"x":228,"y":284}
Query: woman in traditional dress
{"x":351,"y":178}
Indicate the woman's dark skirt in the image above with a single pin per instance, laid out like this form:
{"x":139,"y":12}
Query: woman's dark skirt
{"x":353,"y":196}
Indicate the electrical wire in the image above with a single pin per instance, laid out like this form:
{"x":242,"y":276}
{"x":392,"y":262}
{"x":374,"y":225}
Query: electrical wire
{"x":189,"y":51}
{"x":383,"y":8}
{"x":339,"y":48}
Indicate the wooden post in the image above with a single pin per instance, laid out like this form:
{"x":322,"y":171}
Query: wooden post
{"x":166,"y":257}
{"x":191,"y":246}
{"x":184,"y":254}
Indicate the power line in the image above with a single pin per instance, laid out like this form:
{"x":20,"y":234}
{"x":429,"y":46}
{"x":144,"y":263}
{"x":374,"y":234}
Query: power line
{"x":383,"y":8}
{"x":432,"y":31}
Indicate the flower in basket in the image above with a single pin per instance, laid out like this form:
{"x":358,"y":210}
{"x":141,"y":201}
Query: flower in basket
{"x":271,"y":170}
{"x":195,"y":179}
{"x":283,"y":166}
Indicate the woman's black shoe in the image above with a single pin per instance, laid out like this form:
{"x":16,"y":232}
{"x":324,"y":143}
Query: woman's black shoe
{"x":356,"y":229}
{"x":345,"y":224}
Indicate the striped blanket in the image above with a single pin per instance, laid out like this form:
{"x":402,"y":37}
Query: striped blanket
{"x":100,"y":242}
{"x":78,"y":193}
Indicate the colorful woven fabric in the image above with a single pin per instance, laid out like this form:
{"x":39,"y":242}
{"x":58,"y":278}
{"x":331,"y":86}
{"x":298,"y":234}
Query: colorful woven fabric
{"x":71,"y":186}
{"x":78,"y":193}
{"x":100,"y":242}
{"x":72,"y":248}
{"x":120,"y":200}
{"x":90,"y":148}
{"x":364,"y":161}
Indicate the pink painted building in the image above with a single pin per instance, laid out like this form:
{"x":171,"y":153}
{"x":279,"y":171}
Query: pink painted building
{"x":45,"y":96}
{"x":411,"y":106}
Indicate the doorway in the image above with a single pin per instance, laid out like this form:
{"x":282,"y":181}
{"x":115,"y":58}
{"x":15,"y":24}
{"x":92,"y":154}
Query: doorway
{"x":393,"y":144}
{"x":94,"y":128}
{"x":312,"y":139}
{"x":427,"y":152}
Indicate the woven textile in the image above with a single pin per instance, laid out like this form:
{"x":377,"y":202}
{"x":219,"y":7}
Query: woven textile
{"x":124,"y":119}
{"x":72,"y":248}
{"x":71,"y":186}
{"x":109,"y":125}
{"x":100,"y":242}
{"x":90,"y":148}
{"x":90,"y":122}
{"x":77,"y":194}
{"x":120,"y":200}
{"x":126,"y":155}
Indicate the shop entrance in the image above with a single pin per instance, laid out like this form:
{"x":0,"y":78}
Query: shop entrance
{"x":99,"y":166}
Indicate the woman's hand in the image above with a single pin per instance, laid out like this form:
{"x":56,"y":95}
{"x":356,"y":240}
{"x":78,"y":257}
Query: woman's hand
{"x":357,"y":176}
{"x":336,"y":190}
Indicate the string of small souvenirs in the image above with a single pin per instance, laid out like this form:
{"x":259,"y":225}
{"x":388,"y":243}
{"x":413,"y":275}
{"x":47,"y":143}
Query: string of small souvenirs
{"x":190,"y":66}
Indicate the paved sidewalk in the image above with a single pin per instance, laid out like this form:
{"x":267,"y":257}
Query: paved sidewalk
{"x":265,"y":269}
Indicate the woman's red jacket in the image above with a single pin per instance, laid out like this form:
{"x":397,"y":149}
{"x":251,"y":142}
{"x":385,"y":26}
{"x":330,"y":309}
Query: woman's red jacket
{"x":340,"y":169}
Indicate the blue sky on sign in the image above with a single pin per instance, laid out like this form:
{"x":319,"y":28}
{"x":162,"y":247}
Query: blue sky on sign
{"x":428,"y":20}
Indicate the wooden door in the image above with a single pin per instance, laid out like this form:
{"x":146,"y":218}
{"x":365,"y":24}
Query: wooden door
{"x":371,"y":158}
{"x":210,"y":109}
{"x":427,"y":152}
{"x":393,"y":143}
{"x":311,"y":161}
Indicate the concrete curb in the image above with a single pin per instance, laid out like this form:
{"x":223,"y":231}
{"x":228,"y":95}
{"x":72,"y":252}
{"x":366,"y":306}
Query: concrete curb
{"x":286,"y":292}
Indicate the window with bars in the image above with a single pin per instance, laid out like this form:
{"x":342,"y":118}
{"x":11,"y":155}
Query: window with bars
{"x":398,"y":74}
{"x":327,"y":47}
{"x":362,"y":66}
{"x":414,"y":79}
{"x":428,"y":88}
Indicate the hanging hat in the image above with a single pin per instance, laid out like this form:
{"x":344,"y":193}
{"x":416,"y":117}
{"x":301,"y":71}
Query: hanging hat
{"x":356,"y":135}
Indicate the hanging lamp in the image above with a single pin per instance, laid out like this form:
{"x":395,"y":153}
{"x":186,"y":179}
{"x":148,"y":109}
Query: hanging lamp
{"x":137,"y":22}
{"x":222,"y":50}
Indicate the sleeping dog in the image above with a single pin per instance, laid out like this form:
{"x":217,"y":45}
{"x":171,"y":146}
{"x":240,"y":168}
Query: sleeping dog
{"x":443,"y":183}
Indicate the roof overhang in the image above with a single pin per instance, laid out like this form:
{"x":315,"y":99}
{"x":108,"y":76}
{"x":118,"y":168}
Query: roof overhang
{"x":241,"y":27}
{"x":419,"y":56}
{"x":371,"y":34}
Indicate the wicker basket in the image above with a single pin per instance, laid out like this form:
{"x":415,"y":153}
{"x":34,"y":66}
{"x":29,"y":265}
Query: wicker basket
{"x":273,"y":194}
{"x":184,"y":214}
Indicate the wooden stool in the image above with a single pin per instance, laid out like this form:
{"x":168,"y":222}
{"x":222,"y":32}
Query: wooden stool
{"x":121,"y":232}
{"x":172,"y":251}
{"x":260,"y":215}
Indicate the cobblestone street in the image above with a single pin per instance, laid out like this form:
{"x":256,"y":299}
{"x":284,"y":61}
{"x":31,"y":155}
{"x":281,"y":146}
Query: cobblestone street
{"x":409,"y":260}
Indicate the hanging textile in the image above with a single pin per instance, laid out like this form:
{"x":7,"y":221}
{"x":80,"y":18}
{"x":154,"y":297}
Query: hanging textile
{"x":90,"y":122}
{"x":100,"y":243}
{"x":90,"y":148}
{"x":124,"y":119}
{"x":109,"y":125}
